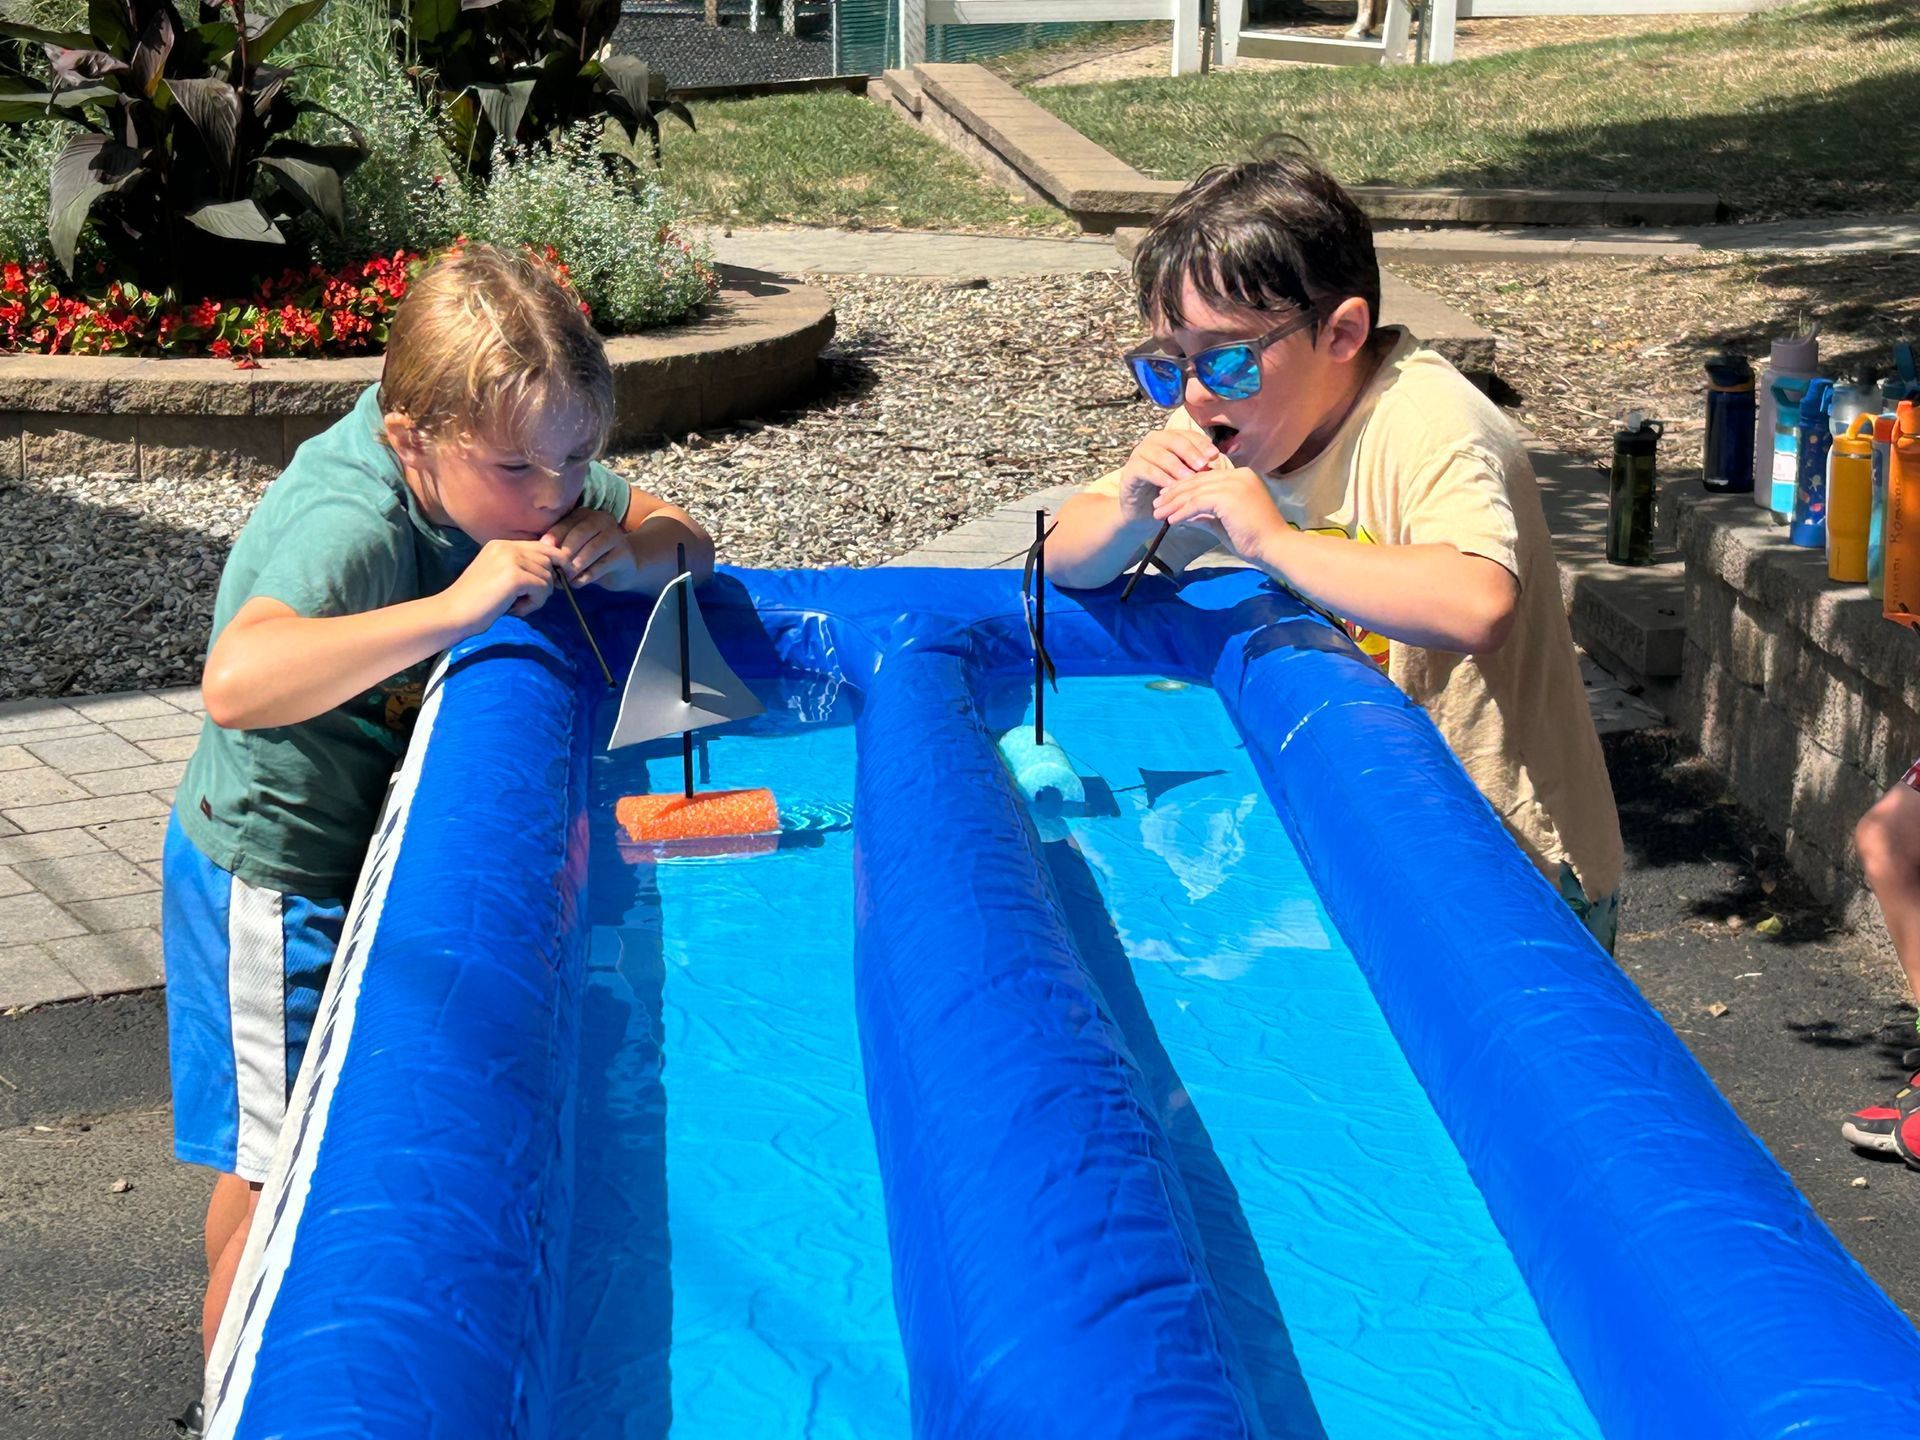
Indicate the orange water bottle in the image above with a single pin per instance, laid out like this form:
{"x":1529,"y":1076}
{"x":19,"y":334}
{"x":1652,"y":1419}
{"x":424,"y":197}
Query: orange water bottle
{"x":1850,"y":502}
{"x":1903,"y":518}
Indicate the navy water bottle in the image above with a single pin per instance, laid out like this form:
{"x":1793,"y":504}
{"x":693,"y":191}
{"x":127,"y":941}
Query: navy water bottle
{"x":1728,"y":463}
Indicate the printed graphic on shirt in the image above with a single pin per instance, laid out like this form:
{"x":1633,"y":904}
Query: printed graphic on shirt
{"x":1373,"y":646}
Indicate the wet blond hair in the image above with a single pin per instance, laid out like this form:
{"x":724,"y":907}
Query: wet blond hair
{"x":483,"y":341}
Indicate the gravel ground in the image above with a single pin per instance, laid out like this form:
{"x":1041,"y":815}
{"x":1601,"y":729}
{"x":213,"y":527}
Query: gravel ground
{"x":1580,"y":344}
{"x":940,"y":402}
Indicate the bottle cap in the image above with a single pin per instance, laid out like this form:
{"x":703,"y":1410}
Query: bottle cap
{"x":1799,"y":354}
{"x":1883,"y":430}
{"x":1857,"y":443}
{"x":1730,"y":372}
{"x":1817,"y":403}
{"x":1907,"y":419}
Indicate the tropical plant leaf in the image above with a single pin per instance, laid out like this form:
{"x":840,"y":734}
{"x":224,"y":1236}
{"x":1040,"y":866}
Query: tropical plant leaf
{"x":478,"y":4}
{"x":59,"y":39}
{"x":681,"y":113}
{"x":237,"y":220}
{"x":281,"y":26}
{"x":150,"y":55}
{"x":76,"y":67}
{"x":197,"y":49}
{"x":504,"y":106}
{"x":633,"y":79}
{"x":269,"y":84}
{"x":20,"y":102}
{"x":89,"y":167}
{"x":111,"y":23}
{"x":212,"y":108}
{"x":434,"y":21}
{"x":313,"y":184}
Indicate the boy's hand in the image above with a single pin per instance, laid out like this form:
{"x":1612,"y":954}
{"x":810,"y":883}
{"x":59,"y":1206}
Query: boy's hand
{"x":1166,"y":457}
{"x":514,"y":575}
{"x":1234,"y":504}
{"x":594,"y":549}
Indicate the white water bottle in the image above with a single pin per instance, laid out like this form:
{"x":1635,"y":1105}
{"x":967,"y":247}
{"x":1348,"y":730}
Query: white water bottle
{"x":1776,"y":457}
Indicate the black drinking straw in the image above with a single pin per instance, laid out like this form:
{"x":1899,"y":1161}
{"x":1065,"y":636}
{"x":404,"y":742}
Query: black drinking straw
{"x":1146,"y":560}
{"x":1040,"y":627}
{"x":686,"y":677}
{"x":567,"y":590}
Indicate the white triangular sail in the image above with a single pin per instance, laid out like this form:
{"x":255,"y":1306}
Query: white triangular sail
{"x":651,"y":706}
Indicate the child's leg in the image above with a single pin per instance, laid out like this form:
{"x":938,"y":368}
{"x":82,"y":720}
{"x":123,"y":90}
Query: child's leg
{"x":245,"y":968}
{"x":226,"y":1211}
{"x":223,"y":1267}
{"x":1888,"y":840}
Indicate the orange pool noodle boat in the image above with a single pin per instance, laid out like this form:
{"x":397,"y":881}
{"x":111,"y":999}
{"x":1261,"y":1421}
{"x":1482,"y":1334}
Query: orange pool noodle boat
{"x":713,"y":815}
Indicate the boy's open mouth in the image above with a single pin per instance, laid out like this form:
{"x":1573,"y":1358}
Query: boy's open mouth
{"x":1223,"y":436}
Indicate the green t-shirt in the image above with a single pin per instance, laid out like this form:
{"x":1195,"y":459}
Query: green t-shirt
{"x":339,"y":533}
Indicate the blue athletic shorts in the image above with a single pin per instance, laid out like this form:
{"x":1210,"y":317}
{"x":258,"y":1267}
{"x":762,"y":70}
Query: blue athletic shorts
{"x":245,"y":967}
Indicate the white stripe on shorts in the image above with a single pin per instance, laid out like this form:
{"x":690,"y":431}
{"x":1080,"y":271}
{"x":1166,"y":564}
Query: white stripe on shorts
{"x":257,"y":1013}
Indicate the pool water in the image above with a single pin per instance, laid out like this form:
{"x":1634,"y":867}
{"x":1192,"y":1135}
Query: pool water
{"x":729,"y":1275}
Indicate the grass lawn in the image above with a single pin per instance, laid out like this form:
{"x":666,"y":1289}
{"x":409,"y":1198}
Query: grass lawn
{"x":1791,"y":112}
{"x":831,"y":159}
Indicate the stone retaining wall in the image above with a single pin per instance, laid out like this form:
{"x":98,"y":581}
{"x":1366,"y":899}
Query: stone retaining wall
{"x":1794,"y":688}
{"x":754,"y":348}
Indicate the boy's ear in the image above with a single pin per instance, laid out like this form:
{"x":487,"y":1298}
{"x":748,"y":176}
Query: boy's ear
{"x":405,"y":438}
{"x":1346,"y":331}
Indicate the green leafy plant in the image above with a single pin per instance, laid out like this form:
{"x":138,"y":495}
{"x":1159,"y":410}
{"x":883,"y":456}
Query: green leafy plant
{"x":615,"y":233}
{"x":518,"y":72}
{"x":186,"y":161}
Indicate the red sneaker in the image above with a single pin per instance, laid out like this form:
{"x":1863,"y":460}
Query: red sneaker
{"x":1892,"y":1128}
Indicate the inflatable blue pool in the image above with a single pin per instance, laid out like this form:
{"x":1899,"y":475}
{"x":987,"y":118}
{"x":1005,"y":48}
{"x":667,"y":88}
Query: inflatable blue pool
{"x":1267,"y":1092}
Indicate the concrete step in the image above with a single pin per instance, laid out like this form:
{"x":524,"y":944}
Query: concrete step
{"x":1309,"y":49}
{"x":1632,"y":619}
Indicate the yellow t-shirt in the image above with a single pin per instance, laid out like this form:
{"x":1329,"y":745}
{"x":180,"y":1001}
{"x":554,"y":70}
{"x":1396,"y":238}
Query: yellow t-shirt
{"x":1425,"y":458}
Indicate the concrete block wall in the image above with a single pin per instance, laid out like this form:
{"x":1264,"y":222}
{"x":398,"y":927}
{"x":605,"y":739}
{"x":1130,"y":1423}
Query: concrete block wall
{"x":1795,"y":688}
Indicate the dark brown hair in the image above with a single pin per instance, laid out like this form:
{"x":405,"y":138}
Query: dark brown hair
{"x":1266,"y":234}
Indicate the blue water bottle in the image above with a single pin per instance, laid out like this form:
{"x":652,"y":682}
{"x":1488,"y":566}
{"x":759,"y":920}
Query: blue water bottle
{"x":1728,"y":461}
{"x":1877,"y":526}
{"x":1810,"y":484}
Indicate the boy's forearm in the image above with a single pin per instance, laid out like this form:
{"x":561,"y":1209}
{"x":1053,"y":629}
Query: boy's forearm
{"x":288,"y":669}
{"x":1433,"y":596}
{"x":1093,"y":542}
{"x":655,"y":543}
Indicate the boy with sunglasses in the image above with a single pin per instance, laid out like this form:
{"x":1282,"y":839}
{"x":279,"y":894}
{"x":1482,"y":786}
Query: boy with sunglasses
{"x":1366,"y":474}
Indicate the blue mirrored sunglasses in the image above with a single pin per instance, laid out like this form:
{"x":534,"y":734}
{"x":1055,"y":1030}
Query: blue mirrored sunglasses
{"x":1230,"y":371}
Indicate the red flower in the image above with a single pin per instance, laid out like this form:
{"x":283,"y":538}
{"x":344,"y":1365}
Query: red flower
{"x":13,"y":280}
{"x":222,"y":350}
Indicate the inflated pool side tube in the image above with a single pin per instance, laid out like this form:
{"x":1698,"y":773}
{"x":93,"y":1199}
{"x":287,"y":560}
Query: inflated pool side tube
{"x":1047,"y":1271}
{"x":1690,"y":1287}
{"x":421,"y":1295}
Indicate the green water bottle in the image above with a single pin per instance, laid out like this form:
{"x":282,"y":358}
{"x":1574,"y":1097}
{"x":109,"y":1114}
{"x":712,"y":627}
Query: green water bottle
{"x":1630,"y":491}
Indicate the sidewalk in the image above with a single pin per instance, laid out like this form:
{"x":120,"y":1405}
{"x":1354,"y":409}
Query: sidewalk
{"x":85,"y":787}
{"x":935,"y":254}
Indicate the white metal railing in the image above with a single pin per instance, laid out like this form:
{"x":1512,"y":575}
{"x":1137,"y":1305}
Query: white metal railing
{"x":917,"y":15}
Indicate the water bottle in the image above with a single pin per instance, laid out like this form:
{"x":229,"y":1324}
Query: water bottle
{"x":1630,"y":491}
{"x":1850,"y":502}
{"x":1727,"y":468}
{"x":1775,"y":442}
{"x":1902,"y":600}
{"x":1850,"y":402}
{"x":1810,"y":473}
{"x":1877,"y":526}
